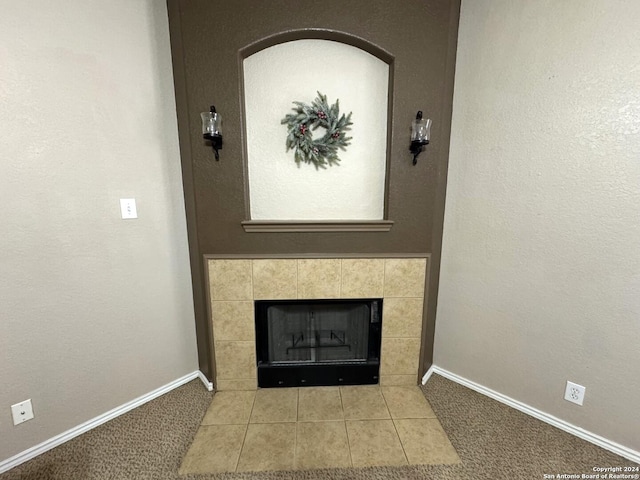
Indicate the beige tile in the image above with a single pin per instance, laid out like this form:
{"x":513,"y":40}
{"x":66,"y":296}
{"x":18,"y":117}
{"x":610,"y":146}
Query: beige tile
{"x":233,"y":321}
{"x":319,"y":404}
{"x":374,"y":442}
{"x":402,"y":317}
{"x":322,"y":445}
{"x":363,"y":403}
{"x":319,"y":278}
{"x":273,"y":279}
{"x":399,"y":356}
{"x":214,"y":449}
{"x":275,"y":405}
{"x":230,"y":280}
{"x":223,"y":384}
{"x":407,"y":402}
{"x":268,"y":447}
{"x":235,"y":360}
{"x":404,"y":277}
{"x":229,"y":408}
{"x":425,"y":442}
{"x":362,"y":278}
{"x":398,"y":380}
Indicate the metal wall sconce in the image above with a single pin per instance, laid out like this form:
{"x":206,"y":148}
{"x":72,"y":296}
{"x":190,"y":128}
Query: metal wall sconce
{"x":420,"y":135}
{"x":211,"y":130}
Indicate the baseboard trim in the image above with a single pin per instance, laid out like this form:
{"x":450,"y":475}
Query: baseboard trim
{"x":205,"y":381}
{"x":427,"y":375}
{"x":602,"y":442}
{"x":47,"y":445}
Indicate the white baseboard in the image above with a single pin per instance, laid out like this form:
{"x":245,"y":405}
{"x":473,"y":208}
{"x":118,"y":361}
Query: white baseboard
{"x":99,"y":420}
{"x":205,"y":381}
{"x":427,"y":376}
{"x":545,"y":417}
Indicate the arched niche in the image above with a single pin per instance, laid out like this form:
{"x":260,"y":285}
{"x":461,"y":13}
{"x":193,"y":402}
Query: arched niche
{"x":292,"y":67}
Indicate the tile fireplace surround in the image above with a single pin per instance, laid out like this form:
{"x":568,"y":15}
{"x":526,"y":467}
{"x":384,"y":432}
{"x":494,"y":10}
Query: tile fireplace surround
{"x":234,"y":284}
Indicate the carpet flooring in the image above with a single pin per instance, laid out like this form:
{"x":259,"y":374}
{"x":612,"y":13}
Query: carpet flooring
{"x":493,"y":441}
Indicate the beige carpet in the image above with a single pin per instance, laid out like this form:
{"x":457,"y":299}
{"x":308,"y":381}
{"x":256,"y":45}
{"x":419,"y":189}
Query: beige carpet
{"x":493,"y":441}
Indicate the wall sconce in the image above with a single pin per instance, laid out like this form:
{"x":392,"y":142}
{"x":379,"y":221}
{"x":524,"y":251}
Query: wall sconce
{"x":420,"y":134}
{"x":211,"y":129}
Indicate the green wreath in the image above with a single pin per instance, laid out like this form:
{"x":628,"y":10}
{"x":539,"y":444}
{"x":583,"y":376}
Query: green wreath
{"x":322,"y":152}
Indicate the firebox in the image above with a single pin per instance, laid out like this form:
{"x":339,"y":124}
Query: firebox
{"x":318,"y":342}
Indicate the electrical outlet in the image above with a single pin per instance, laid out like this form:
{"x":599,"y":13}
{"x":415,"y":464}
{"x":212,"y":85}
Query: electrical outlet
{"x":128,"y":208}
{"x":574,"y":393}
{"x":22,"y":412}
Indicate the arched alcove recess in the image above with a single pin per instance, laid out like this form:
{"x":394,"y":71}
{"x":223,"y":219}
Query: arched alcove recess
{"x":280,"y":196}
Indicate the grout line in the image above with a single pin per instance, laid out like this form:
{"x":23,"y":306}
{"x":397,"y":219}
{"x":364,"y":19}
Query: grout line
{"x":384,"y":274}
{"x":246,"y":430}
{"x":400,"y":440}
{"x":253,"y":291}
{"x":341,"y":403}
{"x":344,"y":420}
{"x":393,"y":421}
{"x":295,"y":446}
{"x":295,"y":434}
{"x":298,"y":403}
{"x":244,"y":438}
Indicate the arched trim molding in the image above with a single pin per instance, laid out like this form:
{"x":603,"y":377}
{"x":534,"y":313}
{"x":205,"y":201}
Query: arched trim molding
{"x":317,"y":34}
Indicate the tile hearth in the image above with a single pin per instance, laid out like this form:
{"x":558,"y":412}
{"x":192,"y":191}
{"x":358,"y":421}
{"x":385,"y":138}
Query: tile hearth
{"x":317,"y":427}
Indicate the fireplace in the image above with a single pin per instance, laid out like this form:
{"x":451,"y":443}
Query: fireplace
{"x":235,"y":284}
{"x":318,"y":342}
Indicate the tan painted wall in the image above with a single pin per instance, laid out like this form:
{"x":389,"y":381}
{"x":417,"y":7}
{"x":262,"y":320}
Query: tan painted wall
{"x":94,"y":310}
{"x":540,"y":278}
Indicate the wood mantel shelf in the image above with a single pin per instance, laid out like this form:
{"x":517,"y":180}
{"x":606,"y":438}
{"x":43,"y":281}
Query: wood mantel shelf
{"x":280,"y":226}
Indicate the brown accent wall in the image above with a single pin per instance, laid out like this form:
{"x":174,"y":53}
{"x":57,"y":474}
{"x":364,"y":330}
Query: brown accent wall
{"x":207,"y":37}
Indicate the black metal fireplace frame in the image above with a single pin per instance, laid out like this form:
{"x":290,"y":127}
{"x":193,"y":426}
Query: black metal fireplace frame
{"x":296,"y":374}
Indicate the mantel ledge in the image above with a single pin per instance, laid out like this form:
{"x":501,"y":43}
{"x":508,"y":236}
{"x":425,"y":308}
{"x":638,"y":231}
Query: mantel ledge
{"x":288,"y":226}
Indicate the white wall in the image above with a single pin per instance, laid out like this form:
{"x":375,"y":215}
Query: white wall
{"x":540,"y":278}
{"x":94,"y":310}
{"x":279,"y":188}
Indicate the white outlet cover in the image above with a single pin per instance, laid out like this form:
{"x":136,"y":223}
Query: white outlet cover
{"x":574,"y":393}
{"x":22,"y":412}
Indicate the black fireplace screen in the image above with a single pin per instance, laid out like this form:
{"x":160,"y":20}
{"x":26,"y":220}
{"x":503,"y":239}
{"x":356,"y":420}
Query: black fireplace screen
{"x":310,"y":342}
{"x":318,"y":332}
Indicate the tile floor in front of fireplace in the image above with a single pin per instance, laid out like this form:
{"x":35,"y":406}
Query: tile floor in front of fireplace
{"x":317,"y":427}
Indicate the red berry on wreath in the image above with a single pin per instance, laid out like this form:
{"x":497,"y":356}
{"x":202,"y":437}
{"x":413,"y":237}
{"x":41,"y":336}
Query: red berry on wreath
{"x":335,"y":135}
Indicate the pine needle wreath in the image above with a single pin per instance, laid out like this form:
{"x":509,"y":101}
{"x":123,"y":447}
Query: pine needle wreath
{"x":321,"y":152}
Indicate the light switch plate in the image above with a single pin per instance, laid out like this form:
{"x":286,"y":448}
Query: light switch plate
{"x":128,"y":208}
{"x":22,"y":412}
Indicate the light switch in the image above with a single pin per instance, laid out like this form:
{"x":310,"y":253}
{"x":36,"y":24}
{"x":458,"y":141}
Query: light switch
{"x":128,"y":208}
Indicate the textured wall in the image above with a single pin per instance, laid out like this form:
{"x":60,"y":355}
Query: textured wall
{"x":94,"y":310}
{"x":540,"y":278}
{"x":293,"y":71}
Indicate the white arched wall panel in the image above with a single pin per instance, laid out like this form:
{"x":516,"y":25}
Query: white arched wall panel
{"x":277,"y":76}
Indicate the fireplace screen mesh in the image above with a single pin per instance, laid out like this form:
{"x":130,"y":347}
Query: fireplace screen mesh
{"x":318,"y":333}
